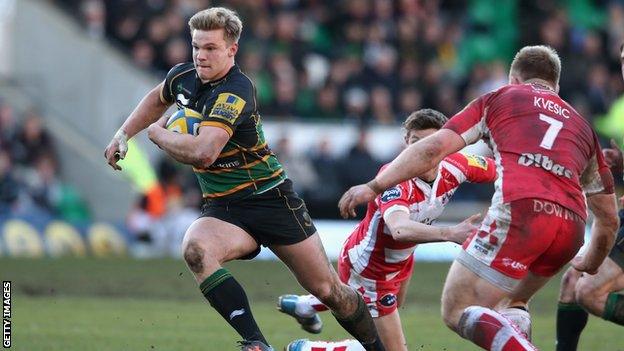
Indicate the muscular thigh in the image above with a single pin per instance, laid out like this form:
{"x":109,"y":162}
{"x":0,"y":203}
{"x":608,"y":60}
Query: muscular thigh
{"x":308,"y":261}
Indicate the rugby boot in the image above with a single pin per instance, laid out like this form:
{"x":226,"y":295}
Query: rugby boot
{"x":254,"y":345}
{"x":288,"y":304}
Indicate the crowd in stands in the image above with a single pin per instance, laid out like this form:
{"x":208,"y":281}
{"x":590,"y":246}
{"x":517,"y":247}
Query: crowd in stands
{"x":30,"y":183}
{"x":379,"y":60}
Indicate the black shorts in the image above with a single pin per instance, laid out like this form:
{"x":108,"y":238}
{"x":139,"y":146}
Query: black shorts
{"x":276,"y":217}
{"x":617,"y":252}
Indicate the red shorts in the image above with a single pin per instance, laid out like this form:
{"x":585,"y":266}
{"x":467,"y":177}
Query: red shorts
{"x":381,"y":296}
{"x":525,"y":235}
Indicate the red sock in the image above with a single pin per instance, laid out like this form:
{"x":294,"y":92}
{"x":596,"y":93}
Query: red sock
{"x":492,"y":331}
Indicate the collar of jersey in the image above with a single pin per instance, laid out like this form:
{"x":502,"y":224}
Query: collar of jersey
{"x":220,"y":80}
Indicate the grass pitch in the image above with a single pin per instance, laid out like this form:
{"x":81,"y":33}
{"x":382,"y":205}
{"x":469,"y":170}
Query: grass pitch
{"x":89,"y":304}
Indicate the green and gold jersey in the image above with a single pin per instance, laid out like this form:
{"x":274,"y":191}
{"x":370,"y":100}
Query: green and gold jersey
{"x":246,"y":165}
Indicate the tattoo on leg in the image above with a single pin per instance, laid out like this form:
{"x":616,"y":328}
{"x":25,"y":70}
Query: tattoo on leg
{"x":194,"y":256}
{"x":342,"y":301}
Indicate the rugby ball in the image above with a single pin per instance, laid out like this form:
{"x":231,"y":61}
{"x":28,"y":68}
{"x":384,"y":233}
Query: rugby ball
{"x":184,"y":121}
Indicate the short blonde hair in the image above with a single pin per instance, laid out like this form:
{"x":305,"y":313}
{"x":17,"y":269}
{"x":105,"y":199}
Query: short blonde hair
{"x":218,"y":18}
{"x":538,"y":61}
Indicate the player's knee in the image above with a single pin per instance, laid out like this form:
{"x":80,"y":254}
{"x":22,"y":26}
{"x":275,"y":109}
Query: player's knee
{"x":450,"y":319}
{"x":323,"y":291}
{"x":194,"y":257}
{"x":584,"y":294}
{"x":568,"y":286}
{"x":449,"y":315}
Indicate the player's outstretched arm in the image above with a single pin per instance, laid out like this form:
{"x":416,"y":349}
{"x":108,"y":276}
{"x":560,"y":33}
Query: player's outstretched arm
{"x":606,"y":224}
{"x":147,"y":111}
{"x":200,"y":151}
{"x":403,"y":228}
{"x":413,"y":161}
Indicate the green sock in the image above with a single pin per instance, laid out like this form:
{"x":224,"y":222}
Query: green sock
{"x":614,"y":309}
{"x":227,"y":296}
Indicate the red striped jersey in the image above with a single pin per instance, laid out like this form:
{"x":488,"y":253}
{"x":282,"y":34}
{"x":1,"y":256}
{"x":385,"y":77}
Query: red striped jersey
{"x":543,"y":148}
{"x":372,"y":251}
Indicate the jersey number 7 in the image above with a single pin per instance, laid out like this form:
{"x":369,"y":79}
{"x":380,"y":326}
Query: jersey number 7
{"x":552,"y":131}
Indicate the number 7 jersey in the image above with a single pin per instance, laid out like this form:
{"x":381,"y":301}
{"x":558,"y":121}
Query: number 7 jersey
{"x":542,"y":147}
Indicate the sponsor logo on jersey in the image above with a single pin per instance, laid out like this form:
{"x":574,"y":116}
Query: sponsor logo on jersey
{"x":515,"y":265}
{"x":391,"y":194}
{"x":232,"y":164}
{"x":228,"y":107}
{"x":543,"y":161}
{"x":183,"y":100}
{"x":388,"y":300}
{"x":542,"y":206}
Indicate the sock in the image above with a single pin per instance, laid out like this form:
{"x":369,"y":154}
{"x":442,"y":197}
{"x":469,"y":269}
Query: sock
{"x":227,"y":296}
{"x":520,"y":316}
{"x":308,"y":305}
{"x":614,"y":309}
{"x":571,"y":320}
{"x":360,"y":324}
{"x":491,"y":331}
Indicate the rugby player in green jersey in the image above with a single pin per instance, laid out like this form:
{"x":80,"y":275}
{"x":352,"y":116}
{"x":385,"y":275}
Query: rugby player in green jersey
{"x":249,"y":200}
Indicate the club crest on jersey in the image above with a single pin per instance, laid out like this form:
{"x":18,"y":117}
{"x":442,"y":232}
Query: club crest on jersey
{"x":477,"y":161}
{"x":228,"y":107}
{"x":391,"y":194}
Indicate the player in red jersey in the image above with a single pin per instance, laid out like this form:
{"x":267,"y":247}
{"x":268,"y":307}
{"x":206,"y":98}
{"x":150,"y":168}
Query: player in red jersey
{"x":596,"y":294}
{"x":377,"y":258}
{"x":548,"y":162}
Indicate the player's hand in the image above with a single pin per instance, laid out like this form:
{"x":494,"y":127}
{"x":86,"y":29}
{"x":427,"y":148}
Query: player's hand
{"x":154,"y":127}
{"x":356,"y":195}
{"x":116,"y":149}
{"x":580,"y":265}
{"x":613,"y":157}
{"x":460,"y":232}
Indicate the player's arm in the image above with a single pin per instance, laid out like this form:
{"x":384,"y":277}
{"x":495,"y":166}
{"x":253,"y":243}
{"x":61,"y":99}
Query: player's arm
{"x":418,"y":158}
{"x":200,"y":151}
{"x":597,"y":183}
{"x":146,"y":112}
{"x":603,"y":230}
{"x":464,"y":128}
{"x":403,"y":228}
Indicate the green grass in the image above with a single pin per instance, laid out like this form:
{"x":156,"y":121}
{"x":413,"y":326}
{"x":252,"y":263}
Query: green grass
{"x":87,"y":304}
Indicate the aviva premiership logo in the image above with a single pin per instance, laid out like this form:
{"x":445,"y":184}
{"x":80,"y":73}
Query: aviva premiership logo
{"x":228,"y":107}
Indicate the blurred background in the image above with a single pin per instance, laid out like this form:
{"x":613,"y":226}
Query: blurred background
{"x":335,"y":79}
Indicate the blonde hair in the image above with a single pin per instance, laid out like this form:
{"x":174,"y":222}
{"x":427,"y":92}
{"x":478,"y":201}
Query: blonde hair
{"x":218,"y":18}
{"x":538,"y":61}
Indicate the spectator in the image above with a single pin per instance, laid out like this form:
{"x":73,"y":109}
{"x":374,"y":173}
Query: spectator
{"x":32,"y":140}
{"x":9,"y":187}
